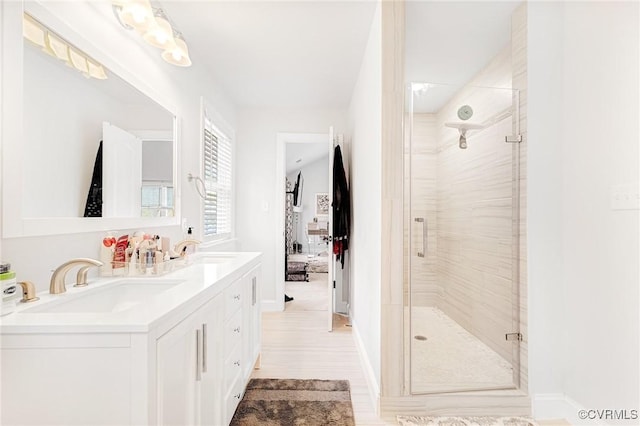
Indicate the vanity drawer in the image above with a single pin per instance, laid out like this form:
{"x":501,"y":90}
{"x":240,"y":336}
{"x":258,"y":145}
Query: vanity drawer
{"x":232,"y":399}
{"x":232,"y":298}
{"x":233,"y":333}
{"x":232,"y":367}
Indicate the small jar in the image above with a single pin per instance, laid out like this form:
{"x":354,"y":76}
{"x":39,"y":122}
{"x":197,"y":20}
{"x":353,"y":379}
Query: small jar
{"x":10,"y":292}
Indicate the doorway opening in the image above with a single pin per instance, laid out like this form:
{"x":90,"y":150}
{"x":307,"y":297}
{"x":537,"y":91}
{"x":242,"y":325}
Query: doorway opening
{"x":303,"y":248}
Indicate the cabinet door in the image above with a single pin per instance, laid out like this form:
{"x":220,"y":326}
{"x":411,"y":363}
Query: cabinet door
{"x":210,"y":321}
{"x":256,"y":335}
{"x":252,"y":320}
{"x":177,"y":373}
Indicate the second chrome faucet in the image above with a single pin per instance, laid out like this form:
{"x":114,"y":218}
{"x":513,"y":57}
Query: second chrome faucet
{"x":57,"y":285}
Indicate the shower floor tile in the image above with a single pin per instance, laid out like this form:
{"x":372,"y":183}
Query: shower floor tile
{"x":451,"y":358}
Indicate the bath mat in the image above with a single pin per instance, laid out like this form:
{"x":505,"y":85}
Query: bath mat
{"x":284,"y":402}
{"x":464,"y":421}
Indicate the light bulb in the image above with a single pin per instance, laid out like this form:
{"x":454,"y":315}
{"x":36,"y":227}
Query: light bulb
{"x":137,"y":14}
{"x":177,"y":53}
{"x":159,"y":33}
{"x":161,"y":37}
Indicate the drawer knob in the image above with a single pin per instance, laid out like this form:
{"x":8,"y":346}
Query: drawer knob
{"x":237,"y":329}
{"x":237,"y":363}
{"x":237,"y":396}
{"x":237,"y":297}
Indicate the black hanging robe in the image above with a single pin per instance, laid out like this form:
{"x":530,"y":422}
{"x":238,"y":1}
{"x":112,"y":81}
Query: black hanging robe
{"x":341,"y":207}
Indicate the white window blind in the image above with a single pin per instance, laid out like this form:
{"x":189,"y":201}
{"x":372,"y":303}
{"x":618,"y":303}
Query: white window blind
{"x":217,"y":181}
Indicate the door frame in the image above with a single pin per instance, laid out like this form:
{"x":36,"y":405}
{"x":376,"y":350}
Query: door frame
{"x":282,"y":140}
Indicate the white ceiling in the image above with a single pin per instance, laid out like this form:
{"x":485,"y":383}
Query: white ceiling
{"x":450,"y":42}
{"x":278,"y":54}
{"x":307,"y":53}
{"x":300,"y":154}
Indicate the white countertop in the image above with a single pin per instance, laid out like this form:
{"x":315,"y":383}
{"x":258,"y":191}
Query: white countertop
{"x":199,"y":282}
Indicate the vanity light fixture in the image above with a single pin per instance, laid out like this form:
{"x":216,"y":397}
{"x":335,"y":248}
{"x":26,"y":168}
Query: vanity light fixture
{"x":154,"y":26}
{"x":56,"y":46}
{"x":160,"y":32}
{"x":136,"y":14}
{"x":177,"y":53}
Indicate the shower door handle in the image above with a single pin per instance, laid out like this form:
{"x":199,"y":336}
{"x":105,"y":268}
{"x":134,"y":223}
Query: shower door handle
{"x":425,"y":233}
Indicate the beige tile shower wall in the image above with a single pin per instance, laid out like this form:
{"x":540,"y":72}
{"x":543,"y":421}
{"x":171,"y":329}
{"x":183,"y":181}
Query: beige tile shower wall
{"x":475,"y":208}
{"x":421,"y":164}
{"x":519,"y":71}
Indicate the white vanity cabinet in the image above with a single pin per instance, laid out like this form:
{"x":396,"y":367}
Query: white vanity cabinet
{"x":241,"y":343}
{"x":188,"y":363}
{"x":252,"y":319}
{"x":187,"y":370}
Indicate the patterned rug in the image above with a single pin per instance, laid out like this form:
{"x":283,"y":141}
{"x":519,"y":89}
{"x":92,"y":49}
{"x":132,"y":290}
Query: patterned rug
{"x":284,"y":402}
{"x":464,"y":421}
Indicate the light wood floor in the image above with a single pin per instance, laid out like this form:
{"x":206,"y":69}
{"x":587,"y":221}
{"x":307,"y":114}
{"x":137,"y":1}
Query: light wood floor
{"x":296,"y":345}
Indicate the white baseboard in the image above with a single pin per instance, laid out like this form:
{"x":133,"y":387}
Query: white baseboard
{"x":557,"y":406}
{"x":272,"y":306}
{"x":369,"y":375}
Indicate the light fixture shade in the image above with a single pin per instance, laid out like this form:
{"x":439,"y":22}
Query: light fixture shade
{"x":137,"y":14}
{"x":159,"y":33}
{"x":33,"y":32}
{"x":96,"y":70}
{"x":177,"y":53}
{"x":58,"y":47}
{"x":79,"y":61}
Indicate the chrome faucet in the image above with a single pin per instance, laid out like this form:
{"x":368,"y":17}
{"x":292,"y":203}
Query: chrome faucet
{"x":57,"y":279}
{"x":182,"y":245}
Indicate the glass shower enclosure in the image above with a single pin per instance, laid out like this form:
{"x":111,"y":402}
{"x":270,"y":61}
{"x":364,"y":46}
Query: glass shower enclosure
{"x":461,"y":171}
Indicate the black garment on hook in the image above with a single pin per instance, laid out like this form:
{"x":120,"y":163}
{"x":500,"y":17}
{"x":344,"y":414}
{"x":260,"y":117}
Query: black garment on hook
{"x":297,"y":191}
{"x":93,"y":206}
{"x":341,"y":207}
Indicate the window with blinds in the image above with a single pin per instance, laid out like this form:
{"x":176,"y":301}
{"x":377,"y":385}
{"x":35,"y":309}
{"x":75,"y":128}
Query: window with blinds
{"x":217,"y":182}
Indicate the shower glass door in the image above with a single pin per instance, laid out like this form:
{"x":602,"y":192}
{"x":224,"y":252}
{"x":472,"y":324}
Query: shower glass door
{"x":461,"y":238}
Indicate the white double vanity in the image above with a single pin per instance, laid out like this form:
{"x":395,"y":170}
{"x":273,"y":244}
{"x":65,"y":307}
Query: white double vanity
{"x":174,"y":349}
{"x":177,"y":349}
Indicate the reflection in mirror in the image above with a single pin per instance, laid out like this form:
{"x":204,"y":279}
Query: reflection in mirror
{"x":67,"y":98}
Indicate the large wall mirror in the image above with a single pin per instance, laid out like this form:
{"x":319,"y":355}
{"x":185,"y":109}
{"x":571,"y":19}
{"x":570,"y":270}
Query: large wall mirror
{"x":97,"y":152}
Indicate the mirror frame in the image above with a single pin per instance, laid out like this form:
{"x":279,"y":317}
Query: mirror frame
{"x":14,"y":225}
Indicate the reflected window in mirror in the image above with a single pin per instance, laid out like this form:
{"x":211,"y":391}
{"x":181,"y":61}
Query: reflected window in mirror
{"x":157,"y":192}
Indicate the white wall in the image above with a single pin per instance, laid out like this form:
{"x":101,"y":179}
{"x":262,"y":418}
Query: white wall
{"x":316,"y":179}
{"x":365,"y":128}
{"x":34,"y":258}
{"x":583,"y":122}
{"x":256,"y":180}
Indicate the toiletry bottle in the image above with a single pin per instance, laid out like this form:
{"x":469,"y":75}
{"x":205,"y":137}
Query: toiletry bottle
{"x":133,"y":261}
{"x":190,"y":249}
{"x":119,"y":255}
{"x":107,"y":249}
{"x":149,"y":259}
{"x":158,"y":265}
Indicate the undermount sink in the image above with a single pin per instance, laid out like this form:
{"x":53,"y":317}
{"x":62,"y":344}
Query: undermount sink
{"x":115,"y":297}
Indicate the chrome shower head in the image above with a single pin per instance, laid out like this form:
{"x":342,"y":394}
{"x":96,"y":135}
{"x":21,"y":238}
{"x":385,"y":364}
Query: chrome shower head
{"x":463,"y":128}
